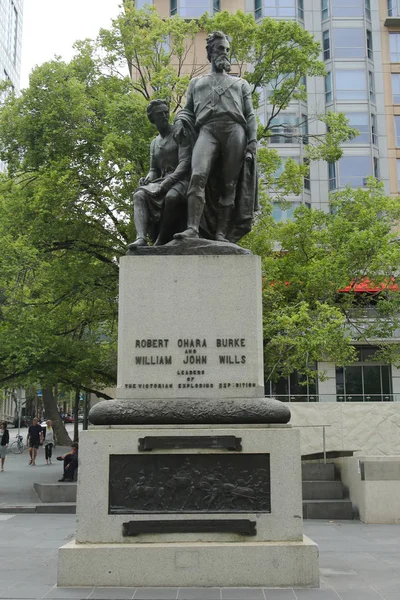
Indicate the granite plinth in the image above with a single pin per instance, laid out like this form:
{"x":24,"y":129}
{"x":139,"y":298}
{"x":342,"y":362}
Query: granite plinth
{"x":274,"y":564}
{"x":189,"y":246}
{"x":190,"y":327}
{"x":140,"y":488}
{"x":213,"y":411}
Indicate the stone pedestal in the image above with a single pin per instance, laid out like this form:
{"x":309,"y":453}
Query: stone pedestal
{"x":264,"y":489}
{"x":191,"y":477}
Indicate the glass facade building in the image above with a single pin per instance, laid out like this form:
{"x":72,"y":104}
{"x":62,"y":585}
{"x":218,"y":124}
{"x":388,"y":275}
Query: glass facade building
{"x":10,"y":40}
{"x":10,"y":43}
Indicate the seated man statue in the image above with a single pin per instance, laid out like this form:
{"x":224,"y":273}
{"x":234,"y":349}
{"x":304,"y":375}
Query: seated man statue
{"x":160,"y":200}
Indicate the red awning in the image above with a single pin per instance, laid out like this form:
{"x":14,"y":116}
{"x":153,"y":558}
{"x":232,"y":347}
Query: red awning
{"x":370,"y":287}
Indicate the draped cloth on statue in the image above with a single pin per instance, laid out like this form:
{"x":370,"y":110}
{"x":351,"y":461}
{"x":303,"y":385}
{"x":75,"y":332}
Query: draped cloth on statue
{"x":246,"y":200}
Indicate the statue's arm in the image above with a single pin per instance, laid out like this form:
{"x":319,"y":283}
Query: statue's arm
{"x":189,"y":105}
{"x":188,"y":111}
{"x":154,"y":172}
{"x":184,"y":164}
{"x":250,"y":117}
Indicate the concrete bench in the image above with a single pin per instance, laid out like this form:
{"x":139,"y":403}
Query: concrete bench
{"x":56,"y":492}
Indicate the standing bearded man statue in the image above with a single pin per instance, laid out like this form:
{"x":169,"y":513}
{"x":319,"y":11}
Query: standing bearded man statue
{"x":219,"y":109}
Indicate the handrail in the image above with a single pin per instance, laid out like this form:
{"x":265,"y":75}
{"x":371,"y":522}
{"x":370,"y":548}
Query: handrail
{"x":323,"y":436}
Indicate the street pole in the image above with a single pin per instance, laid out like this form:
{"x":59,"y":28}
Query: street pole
{"x":19,"y":409}
{"x":86,"y":411}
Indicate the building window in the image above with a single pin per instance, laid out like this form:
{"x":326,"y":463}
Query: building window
{"x":216,"y":6}
{"x":328,"y":87}
{"x":300,"y":9}
{"x":397,"y":130}
{"x":371,"y":83}
{"x":376,"y":167}
{"x":348,"y":43}
{"x":284,"y":129}
{"x":281,"y":213}
{"x":396,"y":88}
{"x":398,"y":174}
{"x":354,"y":171}
{"x":325,"y":9}
{"x":368,"y":9}
{"x":394,"y":41}
{"x":304,"y":129}
{"x":365,"y":381}
{"x":326,"y":44}
{"x":279,"y":8}
{"x":347,"y":8}
{"x":359,"y":121}
{"x":374,"y":130}
{"x":351,"y":84}
{"x":369,"y":44}
{"x":393,"y":8}
{"x":307,"y":182}
{"x":257,"y":9}
{"x":191,"y":9}
{"x":332,"y":175}
{"x":14,"y":32}
{"x":294,"y":388}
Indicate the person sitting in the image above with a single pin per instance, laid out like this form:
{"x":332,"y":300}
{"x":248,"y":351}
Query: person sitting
{"x":70,"y":463}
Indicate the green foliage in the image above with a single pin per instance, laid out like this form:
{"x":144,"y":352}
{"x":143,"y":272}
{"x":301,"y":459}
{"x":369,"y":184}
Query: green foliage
{"x":306,"y":318}
{"x":76,"y":142}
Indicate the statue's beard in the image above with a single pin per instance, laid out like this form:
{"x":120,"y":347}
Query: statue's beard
{"x":222,"y":63}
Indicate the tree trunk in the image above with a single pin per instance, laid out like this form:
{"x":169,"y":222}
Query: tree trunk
{"x":76,"y":411}
{"x":50,"y":406}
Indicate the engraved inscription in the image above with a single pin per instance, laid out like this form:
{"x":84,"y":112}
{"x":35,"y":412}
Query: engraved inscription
{"x":197,"y":361}
{"x":189,"y":483}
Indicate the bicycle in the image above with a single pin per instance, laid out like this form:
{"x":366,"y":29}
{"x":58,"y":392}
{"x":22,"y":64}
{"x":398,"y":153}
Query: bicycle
{"x":18,"y":446}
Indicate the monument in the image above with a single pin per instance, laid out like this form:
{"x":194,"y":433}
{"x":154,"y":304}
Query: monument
{"x":191,"y":477}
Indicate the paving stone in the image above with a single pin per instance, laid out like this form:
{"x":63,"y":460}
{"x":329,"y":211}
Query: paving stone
{"x":243,"y":593}
{"x":314,"y":594}
{"x":26,"y":591}
{"x":279,"y":594}
{"x":68,"y":593}
{"x":199,"y":594}
{"x":113,"y":594}
{"x":156,"y":593}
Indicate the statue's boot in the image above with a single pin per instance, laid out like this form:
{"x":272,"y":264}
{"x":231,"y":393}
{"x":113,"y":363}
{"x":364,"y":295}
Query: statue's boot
{"x":140,"y":241}
{"x":223,"y":219}
{"x":195,"y":210}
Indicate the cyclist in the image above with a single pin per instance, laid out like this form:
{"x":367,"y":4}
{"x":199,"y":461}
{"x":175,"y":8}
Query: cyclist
{"x":4,"y":440}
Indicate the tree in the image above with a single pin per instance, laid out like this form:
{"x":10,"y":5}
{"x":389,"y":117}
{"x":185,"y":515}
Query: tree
{"x":76,"y":142}
{"x":312,"y":310}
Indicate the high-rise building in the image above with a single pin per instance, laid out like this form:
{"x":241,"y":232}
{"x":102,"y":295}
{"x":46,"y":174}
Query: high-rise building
{"x":10,"y":43}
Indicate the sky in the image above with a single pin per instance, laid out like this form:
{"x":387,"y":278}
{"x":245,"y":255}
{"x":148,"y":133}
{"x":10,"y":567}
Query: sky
{"x":50,"y":27}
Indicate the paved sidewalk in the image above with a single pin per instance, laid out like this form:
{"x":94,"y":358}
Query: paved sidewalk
{"x":358,"y":562}
{"x":16,"y":483}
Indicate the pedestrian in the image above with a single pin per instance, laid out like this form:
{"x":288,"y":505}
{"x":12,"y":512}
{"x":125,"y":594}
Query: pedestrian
{"x":34,"y":439}
{"x":70,"y":463}
{"x":49,"y":440}
{"x":4,"y":441}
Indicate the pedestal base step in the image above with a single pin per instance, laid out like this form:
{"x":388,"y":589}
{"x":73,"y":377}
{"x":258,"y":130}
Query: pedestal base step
{"x":247,"y":564}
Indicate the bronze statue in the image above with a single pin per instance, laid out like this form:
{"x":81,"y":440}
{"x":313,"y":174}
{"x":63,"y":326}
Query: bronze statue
{"x":159,"y":202}
{"x":222,"y":193}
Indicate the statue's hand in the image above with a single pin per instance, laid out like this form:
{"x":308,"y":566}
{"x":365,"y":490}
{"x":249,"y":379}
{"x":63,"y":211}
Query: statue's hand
{"x":179,"y":130}
{"x":251,"y":148}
